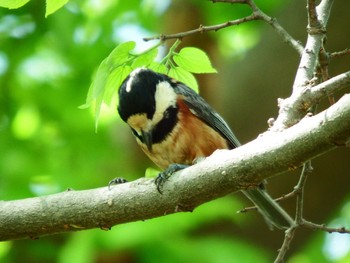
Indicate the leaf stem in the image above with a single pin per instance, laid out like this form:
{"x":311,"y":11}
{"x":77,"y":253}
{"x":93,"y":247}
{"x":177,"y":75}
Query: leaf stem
{"x":166,"y":60}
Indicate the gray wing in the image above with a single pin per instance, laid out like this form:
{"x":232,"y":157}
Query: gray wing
{"x":206,"y":113}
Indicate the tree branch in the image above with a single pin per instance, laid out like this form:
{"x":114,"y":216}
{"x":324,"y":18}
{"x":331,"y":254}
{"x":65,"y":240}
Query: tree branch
{"x":221,"y":173}
{"x":295,"y":107}
{"x":286,"y":37}
{"x":307,"y":66}
{"x":313,"y":226}
{"x":203,"y":29}
{"x":339,"y":53}
{"x":288,"y":237}
{"x":308,"y":61}
{"x":256,"y":15}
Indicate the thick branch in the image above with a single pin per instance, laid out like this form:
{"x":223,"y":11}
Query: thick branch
{"x":223,"y":172}
{"x":295,"y":107}
{"x":316,"y":35}
{"x":323,"y":11}
{"x":317,"y":21}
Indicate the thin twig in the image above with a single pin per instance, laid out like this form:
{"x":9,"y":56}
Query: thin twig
{"x":287,"y":38}
{"x":339,"y":53}
{"x":278,"y":199}
{"x":341,"y":230}
{"x":323,"y":61}
{"x":288,"y":237}
{"x":299,"y":190}
{"x":256,"y":15}
{"x":307,"y":169}
{"x":203,"y":29}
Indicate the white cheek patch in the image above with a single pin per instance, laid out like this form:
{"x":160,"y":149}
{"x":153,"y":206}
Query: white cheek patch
{"x":131,"y":78}
{"x":165,"y":97}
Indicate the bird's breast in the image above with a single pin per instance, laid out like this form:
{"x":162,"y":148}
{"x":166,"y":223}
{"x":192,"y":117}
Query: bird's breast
{"x":189,"y":140}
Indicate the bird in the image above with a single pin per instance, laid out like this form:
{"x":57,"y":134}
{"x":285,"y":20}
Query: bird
{"x":175,"y":127}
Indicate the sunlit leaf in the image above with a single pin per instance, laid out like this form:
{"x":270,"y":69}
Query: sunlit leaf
{"x":145,"y":59}
{"x":98,"y":105}
{"x":158,"y":67}
{"x":184,"y":76}
{"x":53,"y":5}
{"x":12,"y":4}
{"x":194,"y":60}
{"x":97,"y":85}
{"x":121,"y":53}
{"x":97,"y":89}
{"x":114,"y":81}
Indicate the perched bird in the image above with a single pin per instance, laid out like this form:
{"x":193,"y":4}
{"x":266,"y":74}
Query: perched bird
{"x":175,"y":127}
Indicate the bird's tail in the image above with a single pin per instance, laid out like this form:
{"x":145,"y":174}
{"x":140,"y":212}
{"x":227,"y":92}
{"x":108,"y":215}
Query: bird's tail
{"x":272,"y":212}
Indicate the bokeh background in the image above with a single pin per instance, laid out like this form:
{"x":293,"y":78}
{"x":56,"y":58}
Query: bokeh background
{"x":48,"y":144}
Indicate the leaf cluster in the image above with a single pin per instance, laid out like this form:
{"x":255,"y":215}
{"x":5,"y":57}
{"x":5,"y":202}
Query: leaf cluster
{"x":51,"y":5}
{"x":123,"y":60}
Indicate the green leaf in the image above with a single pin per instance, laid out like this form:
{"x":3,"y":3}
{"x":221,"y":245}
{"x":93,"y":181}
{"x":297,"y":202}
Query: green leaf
{"x":184,"y":76}
{"x":194,"y":60}
{"x":53,"y":5}
{"x":158,"y":67}
{"x":145,"y":59}
{"x":98,"y":104}
{"x":121,"y":54}
{"x":96,"y":88}
{"x":13,"y":4}
{"x":114,"y":81}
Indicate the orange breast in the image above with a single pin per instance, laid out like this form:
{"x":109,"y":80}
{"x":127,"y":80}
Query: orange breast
{"x":187,"y":142}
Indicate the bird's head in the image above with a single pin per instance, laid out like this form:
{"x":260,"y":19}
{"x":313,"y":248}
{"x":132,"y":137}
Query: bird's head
{"x":147,"y":103}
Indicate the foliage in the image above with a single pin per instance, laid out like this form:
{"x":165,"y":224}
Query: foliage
{"x":51,"y":5}
{"x":121,"y":61}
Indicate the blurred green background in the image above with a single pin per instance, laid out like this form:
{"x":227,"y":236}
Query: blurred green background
{"x":48,"y":145}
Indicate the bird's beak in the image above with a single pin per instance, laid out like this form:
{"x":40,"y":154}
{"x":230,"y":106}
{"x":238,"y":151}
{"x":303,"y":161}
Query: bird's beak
{"x":147,"y":139}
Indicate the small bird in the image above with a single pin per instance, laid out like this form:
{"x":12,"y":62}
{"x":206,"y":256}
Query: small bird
{"x":176,"y":127}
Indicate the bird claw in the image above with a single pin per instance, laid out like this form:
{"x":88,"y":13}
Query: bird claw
{"x":164,"y":176}
{"x":117,"y":180}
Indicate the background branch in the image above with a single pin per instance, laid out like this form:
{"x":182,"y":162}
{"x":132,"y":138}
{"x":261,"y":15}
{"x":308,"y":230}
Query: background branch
{"x":288,"y":237}
{"x":339,"y":53}
{"x":313,"y":226}
{"x":256,"y":15}
{"x":203,"y":29}
{"x":223,"y":172}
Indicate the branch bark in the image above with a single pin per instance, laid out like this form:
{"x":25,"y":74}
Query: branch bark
{"x":317,"y":22}
{"x":222,"y":173}
{"x":295,"y":107}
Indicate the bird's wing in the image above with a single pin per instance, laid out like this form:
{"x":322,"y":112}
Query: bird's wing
{"x":206,"y":113}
